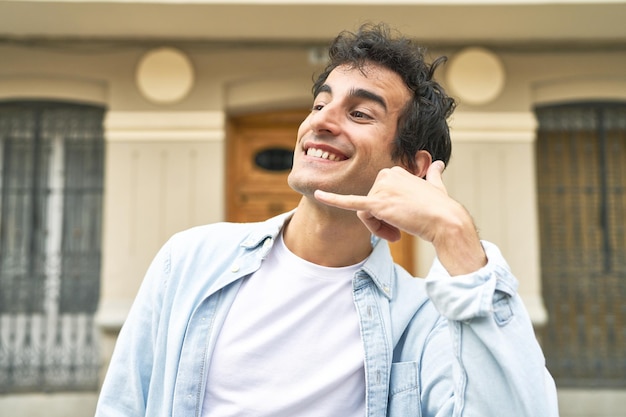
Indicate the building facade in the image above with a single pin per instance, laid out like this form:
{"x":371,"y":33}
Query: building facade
{"x":122,"y":123}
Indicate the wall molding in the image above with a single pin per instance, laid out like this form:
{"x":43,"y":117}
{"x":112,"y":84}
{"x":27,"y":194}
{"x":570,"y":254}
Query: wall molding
{"x":121,"y":126}
{"x":266,"y":93}
{"x":578,"y":89}
{"x":112,"y":314}
{"x":41,"y":87}
{"x":493,"y":127}
{"x":536,"y":309}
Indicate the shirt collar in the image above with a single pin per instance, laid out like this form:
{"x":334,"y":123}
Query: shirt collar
{"x":379,"y":266}
{"x":264,"y":230}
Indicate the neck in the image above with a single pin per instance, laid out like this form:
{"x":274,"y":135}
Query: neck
{"x":327,"y":236}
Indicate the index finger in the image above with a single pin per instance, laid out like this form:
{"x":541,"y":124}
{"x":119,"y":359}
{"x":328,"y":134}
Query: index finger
{"x":347,"y":202}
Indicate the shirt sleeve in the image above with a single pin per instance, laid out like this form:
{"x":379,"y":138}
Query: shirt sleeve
{"x":128,"y":380}
{"x":499,"y":368}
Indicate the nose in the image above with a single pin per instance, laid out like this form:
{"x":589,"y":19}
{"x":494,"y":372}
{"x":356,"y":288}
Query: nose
{"x":326,"y":120}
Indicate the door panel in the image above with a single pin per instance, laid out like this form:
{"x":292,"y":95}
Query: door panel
{"x":255,"y":193}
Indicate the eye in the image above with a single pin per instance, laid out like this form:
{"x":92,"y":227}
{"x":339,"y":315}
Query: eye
{"x":317,"y":107}
{"x":360,"y":115}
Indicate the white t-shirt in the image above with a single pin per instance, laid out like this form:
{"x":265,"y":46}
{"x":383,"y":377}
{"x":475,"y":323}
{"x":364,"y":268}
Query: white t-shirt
{"x":290,"y":345}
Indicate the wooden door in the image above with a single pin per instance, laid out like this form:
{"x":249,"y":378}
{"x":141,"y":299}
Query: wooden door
{"x":258,"y":149}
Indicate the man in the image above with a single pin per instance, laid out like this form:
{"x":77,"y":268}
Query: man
{"x":306,"y":314}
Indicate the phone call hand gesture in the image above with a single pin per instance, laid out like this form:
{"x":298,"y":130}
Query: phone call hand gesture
{"x":400,"y":201}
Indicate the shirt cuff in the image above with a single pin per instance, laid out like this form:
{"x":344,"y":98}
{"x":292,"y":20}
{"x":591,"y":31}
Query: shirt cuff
{"x":464,"y":297}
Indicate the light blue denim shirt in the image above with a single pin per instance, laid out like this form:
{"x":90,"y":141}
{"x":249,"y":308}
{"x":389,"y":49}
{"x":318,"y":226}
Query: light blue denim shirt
{"x":443,"y":346}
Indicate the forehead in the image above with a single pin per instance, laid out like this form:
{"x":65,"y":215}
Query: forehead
{"x":375,"y":78}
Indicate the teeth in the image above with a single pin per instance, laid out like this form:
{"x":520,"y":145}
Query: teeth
{"x":318,"y":153}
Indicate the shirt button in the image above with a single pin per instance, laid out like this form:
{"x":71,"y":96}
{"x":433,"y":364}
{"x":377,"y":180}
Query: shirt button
{"x":234,"y":268}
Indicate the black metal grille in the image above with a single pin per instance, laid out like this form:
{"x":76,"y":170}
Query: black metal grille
{"x":51,"y":179}
{"x":581,"y":162}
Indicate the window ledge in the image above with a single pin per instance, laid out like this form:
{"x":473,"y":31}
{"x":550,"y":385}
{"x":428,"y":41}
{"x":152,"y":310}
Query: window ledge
{"x":112,"y":314}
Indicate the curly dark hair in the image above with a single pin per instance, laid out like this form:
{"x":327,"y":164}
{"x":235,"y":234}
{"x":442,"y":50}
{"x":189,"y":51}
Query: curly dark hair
{"x":423,"y":123}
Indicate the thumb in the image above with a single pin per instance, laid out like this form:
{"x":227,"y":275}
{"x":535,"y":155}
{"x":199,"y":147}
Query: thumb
{"x":434,"y":174}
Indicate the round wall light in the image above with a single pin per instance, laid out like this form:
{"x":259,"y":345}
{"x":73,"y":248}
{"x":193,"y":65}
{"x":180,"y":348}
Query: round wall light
{"x":164,"y":75}
{"x":476,"y":76}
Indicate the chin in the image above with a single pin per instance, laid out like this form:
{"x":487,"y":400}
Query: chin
{"x":301,"y":187}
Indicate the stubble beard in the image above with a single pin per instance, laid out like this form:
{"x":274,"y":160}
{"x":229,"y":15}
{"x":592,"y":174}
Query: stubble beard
{"x":305,"y":188}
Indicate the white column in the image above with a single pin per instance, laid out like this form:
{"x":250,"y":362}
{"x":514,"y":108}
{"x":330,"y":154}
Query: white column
{"x":164,"y":173}
{"x":492,"y":173}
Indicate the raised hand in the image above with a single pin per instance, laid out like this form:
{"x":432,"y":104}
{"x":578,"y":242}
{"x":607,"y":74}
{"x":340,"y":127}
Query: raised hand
{"x":399,"y":200}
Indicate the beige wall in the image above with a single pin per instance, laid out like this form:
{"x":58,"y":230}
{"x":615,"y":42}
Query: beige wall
{"x":165,"y":163}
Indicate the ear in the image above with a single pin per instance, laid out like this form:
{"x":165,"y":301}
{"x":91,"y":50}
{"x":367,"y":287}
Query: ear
{"x":423,"y":160}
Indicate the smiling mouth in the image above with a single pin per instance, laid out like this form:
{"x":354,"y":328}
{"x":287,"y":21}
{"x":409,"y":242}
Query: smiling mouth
{"x":319,"y":153}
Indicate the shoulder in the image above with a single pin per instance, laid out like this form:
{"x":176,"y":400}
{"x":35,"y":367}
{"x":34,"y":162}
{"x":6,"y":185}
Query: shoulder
{"x":208,"y":234}
{"x":218,"y":240}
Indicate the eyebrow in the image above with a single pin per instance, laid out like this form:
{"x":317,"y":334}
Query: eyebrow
{"x":358,"y":93}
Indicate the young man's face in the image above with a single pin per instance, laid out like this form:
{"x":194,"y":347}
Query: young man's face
{"x":347,"y":139}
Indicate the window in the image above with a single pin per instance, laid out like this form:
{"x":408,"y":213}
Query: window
{"x":581,"y":162}
{"x":51,"y":184}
